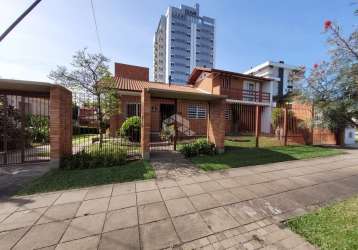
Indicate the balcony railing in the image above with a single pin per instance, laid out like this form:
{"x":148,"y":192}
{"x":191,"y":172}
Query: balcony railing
{"x":246,"y":95}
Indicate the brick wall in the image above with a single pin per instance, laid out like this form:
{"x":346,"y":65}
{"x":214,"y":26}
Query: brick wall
{"x":116,"y":121}
{"x":216,"y":126}
{"x":60,"y":122}
{"x":199,"y":126}
{"x":131,"y":71}
{"x":145,"y":123}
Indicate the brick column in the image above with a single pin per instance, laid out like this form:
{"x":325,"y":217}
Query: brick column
{"x":216,"y":124}
{"x":60,"y":122}
{"x":145,"y":123}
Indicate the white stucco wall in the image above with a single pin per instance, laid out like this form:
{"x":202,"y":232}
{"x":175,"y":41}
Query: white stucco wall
{"x":266,"y":120}
{"x":349,"y":136}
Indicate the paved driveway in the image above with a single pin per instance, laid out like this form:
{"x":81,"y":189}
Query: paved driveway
{"x":234,"y":209}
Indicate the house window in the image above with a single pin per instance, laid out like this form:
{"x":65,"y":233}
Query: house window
{"x":133,"y":109}
{"x":196,"y":111}
{"x":226,"y":82}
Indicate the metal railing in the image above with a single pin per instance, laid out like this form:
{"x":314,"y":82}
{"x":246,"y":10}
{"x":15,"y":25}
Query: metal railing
{"x":247,"y":95}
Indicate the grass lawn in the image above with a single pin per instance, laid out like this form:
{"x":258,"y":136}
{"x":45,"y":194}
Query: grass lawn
{"x":59,"y":179}
{"x":83,"y":138}
{"x":242,"y":152}
{"x":334,"y":227}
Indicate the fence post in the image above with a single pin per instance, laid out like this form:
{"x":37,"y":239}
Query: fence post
{"x":257,"y":125}
{"x":216,"y":126}
{"x":145,"y":123}
{"x":60,"y":123}
{"x":285,"y":125}
{"x":175,"y":124}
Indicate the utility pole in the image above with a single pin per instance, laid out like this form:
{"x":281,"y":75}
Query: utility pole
{"x":19,"y":19}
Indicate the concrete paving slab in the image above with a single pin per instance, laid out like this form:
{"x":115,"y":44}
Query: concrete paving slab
{"x":148,"y":197}
{"x":88,"y":243}
{"x":204,"y":201}
{"x":166,"y":183}
{"x":197,"y":229}
{"x":118,"y":219}
{"x":192,"y":189}
{"x":224,"y":197}
{"x":152,"y":212}
{"x":172,"y":193}
{"x":41,"y":200}
{"x":21,"y":219}
{"x":244,"y":213}
{"x":42,"y":235}
{"x":123,"y":188}
{"x":179,"y":206}
{"x":60,"y":212}
{"x":84,"y":226}
{"x":126,"y":239}
{"x":9,"y":238}
{"x":242,"y":193}
{"x":158,"y":235}
{"x":145,"y":186}
{"x":93,"y":206}
{"x":210,"y":186}
{"x":99,"y":192}
{"x":260,"y":190}
{"x":72,"y":196}
{"x":218,"y":219}
{"x":122,"y":201}
{"x":228,"y":182}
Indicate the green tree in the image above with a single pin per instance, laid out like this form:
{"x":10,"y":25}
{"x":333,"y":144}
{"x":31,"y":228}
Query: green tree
{"x":90,"y":75}
{"x":332,"y":86}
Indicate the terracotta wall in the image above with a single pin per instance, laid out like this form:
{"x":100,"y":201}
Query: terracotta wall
{"x":131,"y":71}
{"x":116,"y":121}
{"x":199,"y":126}
{"x":60,"y":122}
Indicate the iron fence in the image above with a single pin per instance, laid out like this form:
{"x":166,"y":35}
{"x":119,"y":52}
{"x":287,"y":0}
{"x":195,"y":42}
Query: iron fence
{"x":91,"y":117}
{"x":24,"y":128}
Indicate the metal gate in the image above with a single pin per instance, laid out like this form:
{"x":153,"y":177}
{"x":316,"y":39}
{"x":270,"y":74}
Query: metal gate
{"x":24,"y":128}
{"x":176,"y":122}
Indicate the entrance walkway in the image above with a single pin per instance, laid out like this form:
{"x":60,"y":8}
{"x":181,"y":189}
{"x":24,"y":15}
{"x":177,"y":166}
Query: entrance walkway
{"x":14,"y":177}
{"x":234,"y":209}
{"x":172,"y":164}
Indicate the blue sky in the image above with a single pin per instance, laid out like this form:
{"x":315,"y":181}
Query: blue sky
{"x":249,"y":32}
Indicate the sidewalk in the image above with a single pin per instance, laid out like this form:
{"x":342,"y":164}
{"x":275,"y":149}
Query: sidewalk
{"x":234,"y":209}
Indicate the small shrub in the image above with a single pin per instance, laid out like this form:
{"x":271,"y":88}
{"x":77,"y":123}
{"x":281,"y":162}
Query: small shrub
{"x":131,"y":128}
{"x":95,"y":158}
{"x":198,"y":147}
{"x":167,"y":133}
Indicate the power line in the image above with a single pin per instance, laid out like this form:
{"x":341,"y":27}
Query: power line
{"x":95,"y":24}
{"x":19,"y":19}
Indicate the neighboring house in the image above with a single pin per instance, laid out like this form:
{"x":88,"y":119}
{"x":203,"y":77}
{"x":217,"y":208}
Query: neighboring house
{"x":281,"y":74}
{"x":183,"y":40}
{"x":242,"y":93}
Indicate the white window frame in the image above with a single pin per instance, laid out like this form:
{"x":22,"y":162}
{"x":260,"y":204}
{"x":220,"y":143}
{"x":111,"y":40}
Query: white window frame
{"x":196,"y":111}
{"x":137,"y":109}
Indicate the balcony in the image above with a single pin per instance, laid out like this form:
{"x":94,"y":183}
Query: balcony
{"x":246,"y":95}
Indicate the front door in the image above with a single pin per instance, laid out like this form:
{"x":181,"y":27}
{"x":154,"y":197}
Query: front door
{"x":166,"y":111}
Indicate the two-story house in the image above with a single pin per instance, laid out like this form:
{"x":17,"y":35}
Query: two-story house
{"x":189,"y":104}
{"x":282,"y":75}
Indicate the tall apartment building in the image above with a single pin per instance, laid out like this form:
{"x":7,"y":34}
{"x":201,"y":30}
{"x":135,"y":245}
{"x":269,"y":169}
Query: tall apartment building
{"x":183,"y":40}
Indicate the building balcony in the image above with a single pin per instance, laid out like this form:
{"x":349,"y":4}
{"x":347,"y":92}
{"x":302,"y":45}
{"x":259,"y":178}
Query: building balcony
{"x":247,"y":95}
